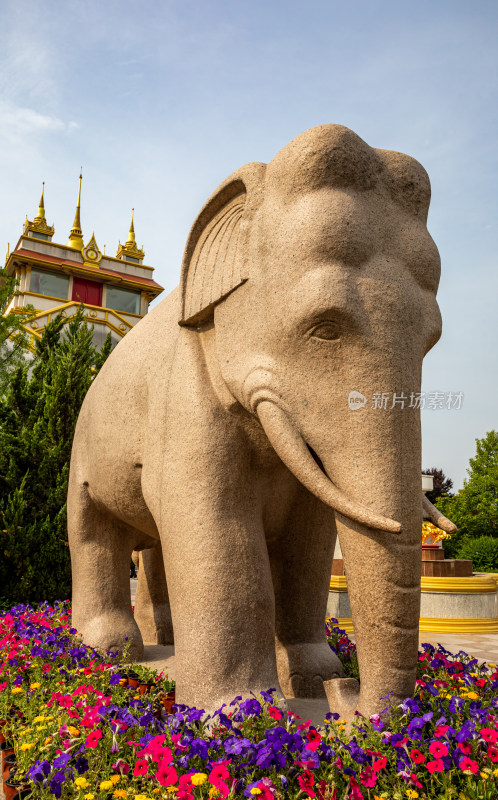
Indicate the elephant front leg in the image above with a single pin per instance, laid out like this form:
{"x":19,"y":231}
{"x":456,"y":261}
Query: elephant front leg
{"x":152,"y":608}
{"x":221,"y":599}
{"x":301,"y":561}
{"x":101,"y":548}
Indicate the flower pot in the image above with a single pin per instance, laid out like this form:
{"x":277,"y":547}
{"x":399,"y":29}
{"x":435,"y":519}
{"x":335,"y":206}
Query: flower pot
{"x":14,"y":789}
{"x":168,"y":701}
{"x":6,"y":748}
{"x":8,"y":762}
{"x":133,"y":680}
{"x":145,"y":688}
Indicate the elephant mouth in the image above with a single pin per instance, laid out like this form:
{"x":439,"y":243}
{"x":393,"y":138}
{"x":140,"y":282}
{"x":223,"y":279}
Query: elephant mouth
{"x":308,"y":468}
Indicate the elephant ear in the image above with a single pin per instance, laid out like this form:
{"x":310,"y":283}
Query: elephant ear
{"x":215,"y":261}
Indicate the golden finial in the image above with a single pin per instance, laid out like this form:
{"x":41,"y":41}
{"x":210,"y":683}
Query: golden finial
{"x":131,"y":235}
{"x":8,"y":252}
{"x":75,"y":240}
{"x":40,"y":214}
{"x":39,"y":225}
{"x":129,"y":249}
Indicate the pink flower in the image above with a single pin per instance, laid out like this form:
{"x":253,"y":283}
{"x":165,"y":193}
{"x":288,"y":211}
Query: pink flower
{"x":489,"y":735}
{"x":368,"y":777}
{"x":166,"y":775}
{"x":435,"y":766}
{"x":380,"y":763}
{"x":314,"y":740}
{"x":93,"y":739}
{"x":141,"y":767}
{"x":273,"y":711}
{"x":465,"y":748}
{"x":493,"y":752}
{"x":467,"y":764}
{"x":441,"y":730}
{"x":438,"y":749}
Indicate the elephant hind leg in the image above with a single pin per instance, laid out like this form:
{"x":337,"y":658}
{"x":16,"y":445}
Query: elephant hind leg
{"x":101,"y":548}
{"x":152,"y":608}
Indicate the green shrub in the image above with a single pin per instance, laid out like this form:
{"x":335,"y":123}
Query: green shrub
{"x":483,"y":552}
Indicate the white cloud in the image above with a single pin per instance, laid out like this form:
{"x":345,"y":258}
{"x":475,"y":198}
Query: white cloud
{"x":18,"y":121}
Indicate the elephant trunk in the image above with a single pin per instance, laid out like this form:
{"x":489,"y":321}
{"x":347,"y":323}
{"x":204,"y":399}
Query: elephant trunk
{"x":383,"y":572}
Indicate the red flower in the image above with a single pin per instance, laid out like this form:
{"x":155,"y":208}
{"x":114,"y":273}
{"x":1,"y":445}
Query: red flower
{"x":438,"y":749}
{"x":493,"y":752}
{"x":93,"y":739}
{"x":218,"y":773}
{"x":380,"y":763}
{"x":417,"y":756}
{"x":480,"y":682}
{"x":441,"y":730}
{"x":314,"y":740}
{"x":465,"y":748}
{"x":436,"y":765}
{"x":166,"y":775}
{"x":489,"y":734}
{"x":401,"y":742}
{"x":368,"y":777}
{"x":306,"y":781}
{"x":468,"y":765}
{"x":415,"y":780}
{"x":274,"y":712}
{"x":140,"y":767}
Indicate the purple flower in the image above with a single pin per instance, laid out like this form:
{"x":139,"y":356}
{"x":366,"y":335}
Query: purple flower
{"x":251,"y":707}
{"x":56,"y":782}
{"x":81,"y":765}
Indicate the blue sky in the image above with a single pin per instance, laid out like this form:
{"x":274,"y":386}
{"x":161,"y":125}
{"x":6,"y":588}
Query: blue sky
{"x":160,"y":101}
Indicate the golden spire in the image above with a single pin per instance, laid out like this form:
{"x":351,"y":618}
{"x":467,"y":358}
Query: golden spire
{"x":76,"y":236}
{"x":40,"y":214}
{"x":39,"y":224}
{"x":129,"y":250}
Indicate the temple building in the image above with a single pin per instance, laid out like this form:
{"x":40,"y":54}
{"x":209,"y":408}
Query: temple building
{"x":57,"y":278}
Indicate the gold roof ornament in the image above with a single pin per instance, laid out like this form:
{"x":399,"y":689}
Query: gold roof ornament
{"x":39,"y":224}
{"x":432,"y":535}
{"x":129,"y":249}
{"x":75,"y":240}
{"x":91,"y":253}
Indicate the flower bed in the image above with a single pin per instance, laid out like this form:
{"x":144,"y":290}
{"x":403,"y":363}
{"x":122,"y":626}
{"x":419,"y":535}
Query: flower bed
{"x":79,"y":731}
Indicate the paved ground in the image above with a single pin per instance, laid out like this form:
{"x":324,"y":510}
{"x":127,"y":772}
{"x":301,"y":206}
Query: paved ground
{"x":482,"y":646}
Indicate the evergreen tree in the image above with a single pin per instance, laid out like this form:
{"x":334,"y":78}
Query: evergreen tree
{"x":37,"y":420}
{"x":475,"y":508}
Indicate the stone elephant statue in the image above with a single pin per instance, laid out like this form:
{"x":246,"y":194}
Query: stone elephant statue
{"x":220,"y":425}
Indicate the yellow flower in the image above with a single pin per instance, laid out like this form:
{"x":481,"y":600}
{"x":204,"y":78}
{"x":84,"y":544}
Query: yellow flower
{"x":81,"y":783}
{"x":411,"y":793}
{"x":105,"y":786}
{"x":198,"y":778}
{"x":119,"y":793}
{"x":48,"y":719}
{"x":140,"y":797}
{"x":16,"y":690}
{"x":41,"y":718}
{"x":472,"y":696}
{"x":35,"y":685}
{"x":48,"y":740}
{"x":484,"y":776}
{"x":115,"y":779}
{"x":27,"y":746}
{"x":491,"y":665}
{"x":41,"y":727}
{"x":89,"y":796}
{"x":213,"y":792}
{"x":255,"y":790}
{"x":73,"y":731}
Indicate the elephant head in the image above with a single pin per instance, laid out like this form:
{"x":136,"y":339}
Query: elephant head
{"x":320,"y":277}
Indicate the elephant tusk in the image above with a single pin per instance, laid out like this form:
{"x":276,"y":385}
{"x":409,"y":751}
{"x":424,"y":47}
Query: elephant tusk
{"x":290,"y":446}
{"x":436,"y":517}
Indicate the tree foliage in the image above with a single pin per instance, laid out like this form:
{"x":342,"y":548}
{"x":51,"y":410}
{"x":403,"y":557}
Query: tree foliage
{"x":442,"y":484}
{"x":474,"y":509}
{"x":37,"y":420}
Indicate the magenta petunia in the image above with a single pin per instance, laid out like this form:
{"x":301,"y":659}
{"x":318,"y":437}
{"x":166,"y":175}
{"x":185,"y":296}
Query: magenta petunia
{"x":166,"y":775}
{"x":435,"y":766}
{"x":468,"y":765}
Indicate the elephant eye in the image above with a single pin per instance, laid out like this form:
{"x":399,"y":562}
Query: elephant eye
{"x":326,"y":330}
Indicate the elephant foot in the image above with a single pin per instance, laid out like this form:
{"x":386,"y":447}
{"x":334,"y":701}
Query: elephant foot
{"x":342,"y":696}
{"x":303,"y":668}
{"x":112,"y":631}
